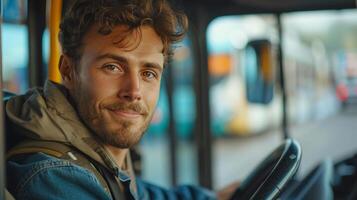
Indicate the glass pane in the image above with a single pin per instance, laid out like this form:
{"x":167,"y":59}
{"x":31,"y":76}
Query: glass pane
{"x":184,"y":104}
{"x":227,"y":39}
{"x":45,"y":51}
{"x":323,"y":48}
{"x":231,"y":113}
{"x":15,"y":57}
{"x":14,"y":39}
{"x":15,"y":11}
{"x":321,"y":79}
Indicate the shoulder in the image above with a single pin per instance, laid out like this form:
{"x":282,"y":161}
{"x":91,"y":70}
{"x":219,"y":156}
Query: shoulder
{"x":40,"y":176}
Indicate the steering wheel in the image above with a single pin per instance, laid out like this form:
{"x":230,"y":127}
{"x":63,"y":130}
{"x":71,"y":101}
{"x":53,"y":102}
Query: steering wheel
{"x":272,"y":174}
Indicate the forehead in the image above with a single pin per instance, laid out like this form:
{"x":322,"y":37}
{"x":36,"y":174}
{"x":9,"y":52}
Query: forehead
{"x":143,"y":40}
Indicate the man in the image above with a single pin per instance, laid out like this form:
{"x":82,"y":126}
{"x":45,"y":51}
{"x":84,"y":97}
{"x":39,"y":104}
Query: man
{"x":73,"y":139}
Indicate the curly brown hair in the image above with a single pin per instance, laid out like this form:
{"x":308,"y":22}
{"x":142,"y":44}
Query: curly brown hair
{"x":170,"y":25}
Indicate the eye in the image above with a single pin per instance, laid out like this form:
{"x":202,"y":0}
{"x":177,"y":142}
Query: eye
{"x":149,"y":75}
{"x":112,"y":68}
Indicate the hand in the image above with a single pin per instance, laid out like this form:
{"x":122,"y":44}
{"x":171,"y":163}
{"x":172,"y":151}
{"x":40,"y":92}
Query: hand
{"x":227,"y":192}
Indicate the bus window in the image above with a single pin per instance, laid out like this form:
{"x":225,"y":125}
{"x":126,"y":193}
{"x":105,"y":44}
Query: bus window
{"x":327,"y":61}
{"x":184,"y":108}
{"x":321,"y":77}
{"x":231,"y":113}
{"x":15,"y":46}
{"x":319,"y":55}
{"x":228,"y":66}
{"x":45,"y":51}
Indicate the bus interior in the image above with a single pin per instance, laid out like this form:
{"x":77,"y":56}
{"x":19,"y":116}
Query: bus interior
{"x":249,"y":76}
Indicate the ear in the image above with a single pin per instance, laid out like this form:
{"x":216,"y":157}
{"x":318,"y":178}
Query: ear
{"x":67,"y":70}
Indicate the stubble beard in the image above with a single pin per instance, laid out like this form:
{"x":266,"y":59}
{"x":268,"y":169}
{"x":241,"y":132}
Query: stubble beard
{"x":124,"y":136}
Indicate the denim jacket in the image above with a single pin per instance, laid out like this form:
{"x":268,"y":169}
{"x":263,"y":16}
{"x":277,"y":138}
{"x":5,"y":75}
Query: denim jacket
{"x":39,"y":176}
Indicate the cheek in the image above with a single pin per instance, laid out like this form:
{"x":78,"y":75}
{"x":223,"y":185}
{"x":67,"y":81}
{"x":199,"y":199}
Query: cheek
{"x":92,"y":90}
{"x":152,"y":96}
{"x":99,"y":85}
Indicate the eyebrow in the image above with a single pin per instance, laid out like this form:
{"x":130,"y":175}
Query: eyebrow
{"x":125,"y":61}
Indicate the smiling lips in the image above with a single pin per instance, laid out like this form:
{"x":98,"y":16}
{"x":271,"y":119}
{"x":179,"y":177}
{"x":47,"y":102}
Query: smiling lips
{"x":127,"y":113}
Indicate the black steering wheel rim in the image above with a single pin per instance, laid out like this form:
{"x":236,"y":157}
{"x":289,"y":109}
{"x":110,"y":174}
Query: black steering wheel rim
{"x":272,"y":174}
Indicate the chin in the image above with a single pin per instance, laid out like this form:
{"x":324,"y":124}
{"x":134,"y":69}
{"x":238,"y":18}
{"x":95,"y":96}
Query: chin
{"x":121,"y":139}
{"x":124,"y":144}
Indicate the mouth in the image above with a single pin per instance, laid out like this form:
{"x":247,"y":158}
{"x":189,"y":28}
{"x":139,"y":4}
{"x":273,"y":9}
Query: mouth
{"x":126,"y":114}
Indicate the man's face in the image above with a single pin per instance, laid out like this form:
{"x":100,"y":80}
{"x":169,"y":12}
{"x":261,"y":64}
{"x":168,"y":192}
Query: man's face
{"x":116,"y":88}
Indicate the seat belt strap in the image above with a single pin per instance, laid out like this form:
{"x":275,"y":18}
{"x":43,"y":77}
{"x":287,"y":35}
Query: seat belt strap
{"x":113,"y":183}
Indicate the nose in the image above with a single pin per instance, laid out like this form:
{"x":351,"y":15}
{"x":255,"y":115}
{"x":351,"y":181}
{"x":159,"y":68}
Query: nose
{"x":130,"y":88}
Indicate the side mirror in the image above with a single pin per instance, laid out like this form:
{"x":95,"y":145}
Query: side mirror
{"x":259,"y":71}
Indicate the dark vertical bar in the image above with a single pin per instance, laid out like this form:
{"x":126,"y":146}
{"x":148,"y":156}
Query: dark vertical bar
{"x":36,"y":25}
{"x":285,"y":124}
{"x":2,"y":139}
{"x":203,"y":137}
{"x":172,"y":128}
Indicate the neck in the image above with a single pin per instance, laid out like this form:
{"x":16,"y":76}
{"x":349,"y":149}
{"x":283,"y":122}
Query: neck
{"x":118,"y":154}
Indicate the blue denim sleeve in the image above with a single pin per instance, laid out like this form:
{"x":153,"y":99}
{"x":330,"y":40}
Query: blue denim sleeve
{"x":41,"y":177}
{"x":149,"y":191}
